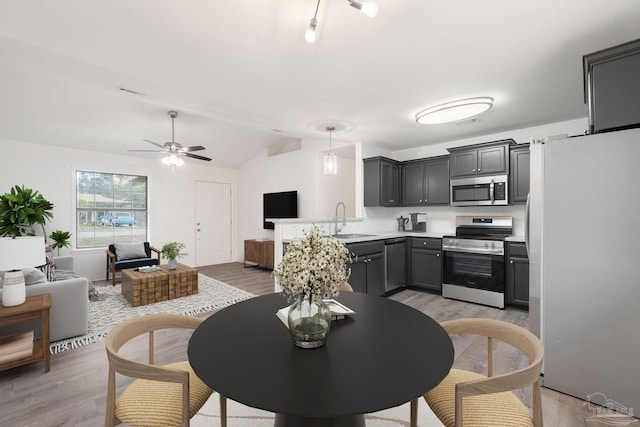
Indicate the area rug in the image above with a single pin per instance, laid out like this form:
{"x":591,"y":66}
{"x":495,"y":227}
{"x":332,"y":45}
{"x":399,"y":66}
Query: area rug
{"x":239,"y":415}
{"x":109,"y":308}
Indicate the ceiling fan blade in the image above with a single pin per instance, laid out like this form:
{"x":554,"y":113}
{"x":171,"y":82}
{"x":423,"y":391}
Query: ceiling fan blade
{"x":154,"y":143}
{"x":148,"y":151}
{"x":193,"y":148}
{"x":195,"y":156}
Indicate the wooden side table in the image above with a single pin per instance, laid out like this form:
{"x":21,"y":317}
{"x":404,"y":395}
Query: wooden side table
{"x":260,"y":252}
{"x":35,"y":307}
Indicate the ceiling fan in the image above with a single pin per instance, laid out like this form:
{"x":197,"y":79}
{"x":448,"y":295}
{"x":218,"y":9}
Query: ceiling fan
{"x":173,"y":150}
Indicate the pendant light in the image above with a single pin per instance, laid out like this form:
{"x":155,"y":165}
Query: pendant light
{"x":330,"y":159}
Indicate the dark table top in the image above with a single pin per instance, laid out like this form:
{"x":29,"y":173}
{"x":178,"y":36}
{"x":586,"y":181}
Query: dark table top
{"x":383,"y":356}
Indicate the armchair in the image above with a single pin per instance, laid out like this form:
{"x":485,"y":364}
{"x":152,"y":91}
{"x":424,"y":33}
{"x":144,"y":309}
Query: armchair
{"x":130,"y":255}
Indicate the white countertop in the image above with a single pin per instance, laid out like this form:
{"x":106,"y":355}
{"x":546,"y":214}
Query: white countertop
{"x":383,"y":235}
{"x":514,"y":239}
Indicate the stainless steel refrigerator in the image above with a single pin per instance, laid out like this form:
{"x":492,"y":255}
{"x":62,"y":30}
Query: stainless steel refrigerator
{"x":583,"y":237}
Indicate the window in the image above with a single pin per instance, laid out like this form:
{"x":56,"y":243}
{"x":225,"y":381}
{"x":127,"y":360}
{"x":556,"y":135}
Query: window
{"x":110,"y":208}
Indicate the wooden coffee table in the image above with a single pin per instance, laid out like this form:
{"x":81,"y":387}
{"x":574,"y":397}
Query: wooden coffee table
{"x":146,"y":288}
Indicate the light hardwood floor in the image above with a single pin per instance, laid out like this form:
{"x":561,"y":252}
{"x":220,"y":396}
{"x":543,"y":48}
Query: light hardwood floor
{"x":73,"y":392}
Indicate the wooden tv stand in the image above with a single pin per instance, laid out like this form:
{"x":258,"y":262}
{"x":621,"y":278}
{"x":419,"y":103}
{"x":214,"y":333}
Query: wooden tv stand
{"x":259,"y":252}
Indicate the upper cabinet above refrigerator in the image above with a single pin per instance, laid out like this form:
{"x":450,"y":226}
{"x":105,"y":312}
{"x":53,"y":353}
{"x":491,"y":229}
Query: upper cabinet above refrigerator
{"x":612,"y":87}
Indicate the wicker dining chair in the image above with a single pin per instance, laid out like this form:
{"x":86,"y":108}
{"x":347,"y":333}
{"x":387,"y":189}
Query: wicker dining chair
{"x":346,"y":287}
{"x":470,"y":399}
{"x":166,"y":395}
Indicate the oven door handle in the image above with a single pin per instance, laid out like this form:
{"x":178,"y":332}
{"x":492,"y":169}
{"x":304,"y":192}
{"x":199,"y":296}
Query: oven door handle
{"x":498,"y":252}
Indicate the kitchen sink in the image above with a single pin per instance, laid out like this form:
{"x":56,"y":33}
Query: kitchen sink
{"x":351,"y":236}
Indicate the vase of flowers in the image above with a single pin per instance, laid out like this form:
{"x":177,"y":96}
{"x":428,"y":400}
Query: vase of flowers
{"x":172,"y":251}
{"x":312,"y":269}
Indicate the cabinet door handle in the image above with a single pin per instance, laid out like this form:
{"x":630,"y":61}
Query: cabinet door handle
{"x":473,"y":170}
{"x":437,"y":254}
{"x":511,"y":262}
{"x":424,"y":243}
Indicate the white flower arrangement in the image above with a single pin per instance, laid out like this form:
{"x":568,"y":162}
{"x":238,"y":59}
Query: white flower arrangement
{"x":314,"y":265}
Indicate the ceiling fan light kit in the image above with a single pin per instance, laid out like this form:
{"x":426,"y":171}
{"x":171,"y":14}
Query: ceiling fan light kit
{"x":173,"y":151}
{"x":368,"y":7}
{"x":454,"y":111}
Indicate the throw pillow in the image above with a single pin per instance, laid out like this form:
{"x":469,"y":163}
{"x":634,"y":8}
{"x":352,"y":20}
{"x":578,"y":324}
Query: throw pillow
{"x":33,"y":276}
{"x":129,"y":251}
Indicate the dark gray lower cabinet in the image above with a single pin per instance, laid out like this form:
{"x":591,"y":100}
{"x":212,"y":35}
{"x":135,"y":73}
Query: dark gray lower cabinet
{"x":426,"y":263}
{"x":367,"y":267}
{"x":517,"y":286}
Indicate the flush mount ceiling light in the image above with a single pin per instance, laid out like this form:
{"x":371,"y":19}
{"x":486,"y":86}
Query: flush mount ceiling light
{"x":368,"y":7}
{"x":454,"y":111}
{"x":330,"y":159}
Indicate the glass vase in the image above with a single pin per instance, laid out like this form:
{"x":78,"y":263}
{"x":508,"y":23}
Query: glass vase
{"x":309,"y":321}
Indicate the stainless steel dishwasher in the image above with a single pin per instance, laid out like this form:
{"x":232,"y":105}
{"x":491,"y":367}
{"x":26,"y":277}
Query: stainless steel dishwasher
{"x":395,"y":265}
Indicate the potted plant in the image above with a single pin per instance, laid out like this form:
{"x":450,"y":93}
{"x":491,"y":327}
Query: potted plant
{"x":60,"y":239}
{"x":173,"y":251}
{"x":312,"y":269}
{"x":21,"y":209}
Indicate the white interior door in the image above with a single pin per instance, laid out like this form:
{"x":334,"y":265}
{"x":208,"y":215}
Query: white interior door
{"x":213,"y":223}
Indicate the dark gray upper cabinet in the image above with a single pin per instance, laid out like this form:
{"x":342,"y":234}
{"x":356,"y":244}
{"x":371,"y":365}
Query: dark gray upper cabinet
{"x":381,"y":182}
{"x":519,"y":178}
{"x":485,"y":159}
{"x":612,"y":87}
{"x":425,"y":182}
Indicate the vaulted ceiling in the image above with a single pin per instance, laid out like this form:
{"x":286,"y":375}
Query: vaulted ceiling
{"x":102,"y":75}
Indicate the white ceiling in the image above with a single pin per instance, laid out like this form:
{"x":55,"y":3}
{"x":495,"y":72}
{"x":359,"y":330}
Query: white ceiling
{"x":243,"y":78}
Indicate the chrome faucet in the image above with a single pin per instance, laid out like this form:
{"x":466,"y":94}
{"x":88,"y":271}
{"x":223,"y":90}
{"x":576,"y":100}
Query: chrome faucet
{"x":344,"y":218}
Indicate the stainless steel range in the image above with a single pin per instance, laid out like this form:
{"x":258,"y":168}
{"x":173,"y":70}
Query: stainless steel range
{"x":473,"y":268}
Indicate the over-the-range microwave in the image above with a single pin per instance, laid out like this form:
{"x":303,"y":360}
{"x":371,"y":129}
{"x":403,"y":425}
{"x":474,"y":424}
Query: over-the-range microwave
{"x":480,"y":191}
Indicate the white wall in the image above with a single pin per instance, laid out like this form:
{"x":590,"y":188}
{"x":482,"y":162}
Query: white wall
{"x":300,"y":170}
{"x":51,"y":170}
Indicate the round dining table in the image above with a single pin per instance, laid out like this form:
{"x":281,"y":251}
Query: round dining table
{"x":384,"y":355}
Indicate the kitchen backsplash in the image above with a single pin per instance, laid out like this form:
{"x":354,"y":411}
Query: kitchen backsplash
{"x":440,"y":219}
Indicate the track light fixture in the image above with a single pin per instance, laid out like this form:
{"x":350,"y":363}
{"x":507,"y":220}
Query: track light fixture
{"x":310,"y":35}
{"x":368,"y":7}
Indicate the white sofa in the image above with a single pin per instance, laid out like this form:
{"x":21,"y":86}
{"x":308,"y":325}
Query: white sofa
{"x":69,"y":313}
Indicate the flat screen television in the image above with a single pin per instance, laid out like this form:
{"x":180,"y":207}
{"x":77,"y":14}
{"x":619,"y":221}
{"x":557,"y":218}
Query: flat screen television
{"x":279,"y":205}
